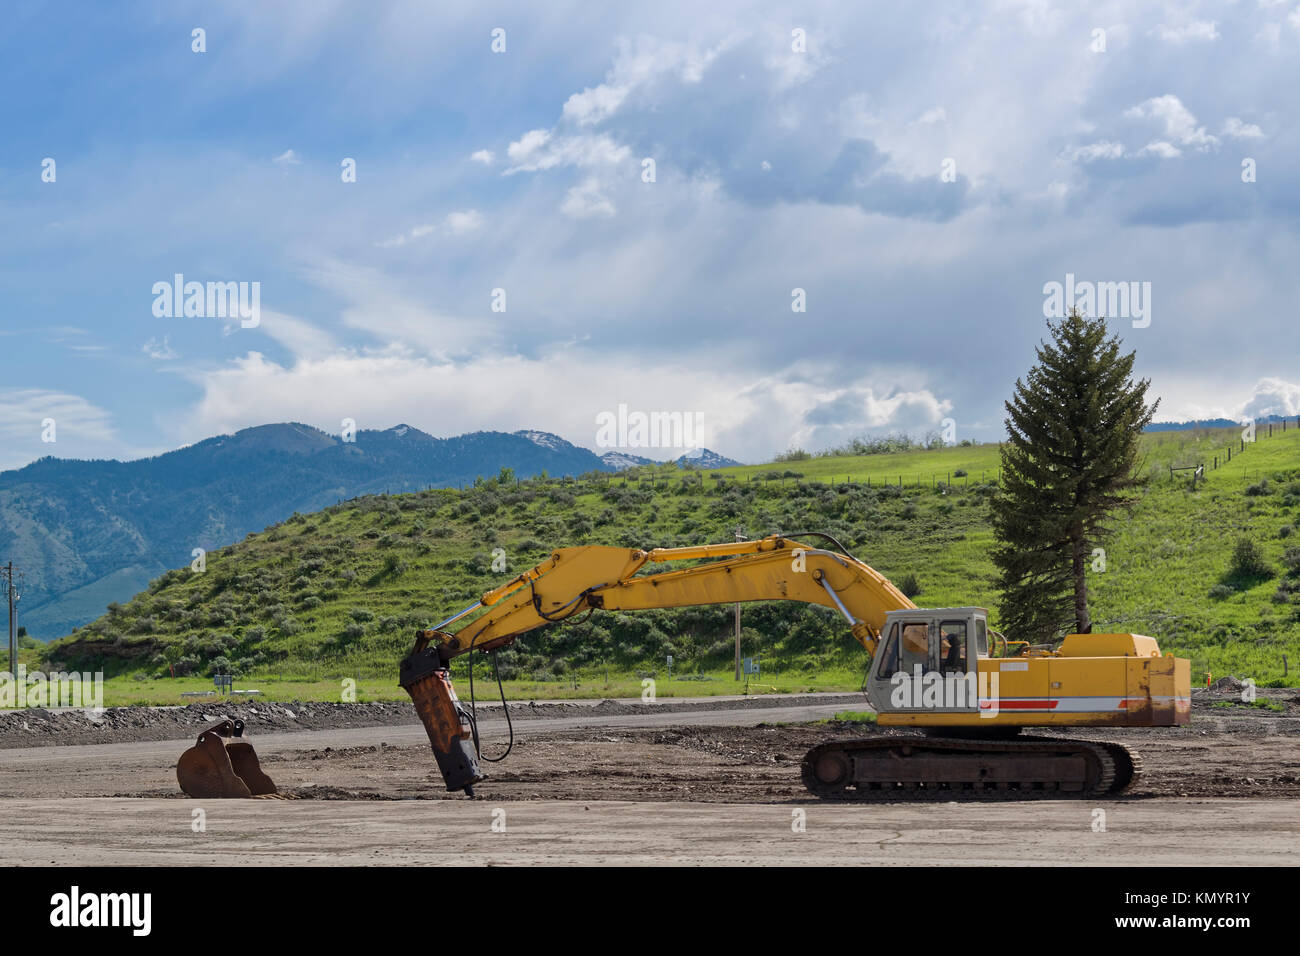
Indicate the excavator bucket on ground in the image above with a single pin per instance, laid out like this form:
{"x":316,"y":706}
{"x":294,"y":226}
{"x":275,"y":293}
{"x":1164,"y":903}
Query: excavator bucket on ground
{"x":213,"y":769}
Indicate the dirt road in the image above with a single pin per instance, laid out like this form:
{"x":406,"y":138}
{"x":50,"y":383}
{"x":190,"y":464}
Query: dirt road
{"x":285,"y":833}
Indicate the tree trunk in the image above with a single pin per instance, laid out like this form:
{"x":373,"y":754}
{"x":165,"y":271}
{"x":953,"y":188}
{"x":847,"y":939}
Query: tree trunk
{"x":1082,"y":622}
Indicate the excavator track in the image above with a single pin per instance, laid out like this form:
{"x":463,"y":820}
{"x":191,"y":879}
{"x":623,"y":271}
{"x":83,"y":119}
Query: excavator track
{"x":906,"y":768}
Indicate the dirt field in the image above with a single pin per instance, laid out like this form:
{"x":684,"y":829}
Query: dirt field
{"x":1216,"y":832}
{"x":1230,"y":782}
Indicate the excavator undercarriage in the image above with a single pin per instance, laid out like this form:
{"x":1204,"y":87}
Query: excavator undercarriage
{"x":948,"y":768}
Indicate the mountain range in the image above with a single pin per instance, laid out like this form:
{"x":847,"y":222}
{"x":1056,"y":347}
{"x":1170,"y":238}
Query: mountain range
{"x":87,"y":533}
{"x":1217,"y":423}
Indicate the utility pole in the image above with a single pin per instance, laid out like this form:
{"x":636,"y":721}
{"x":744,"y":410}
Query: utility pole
{"x":11,"y":596}
{"x":740,"y":536}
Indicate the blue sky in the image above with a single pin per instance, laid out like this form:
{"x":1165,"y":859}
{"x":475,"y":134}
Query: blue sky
{"x":776,"y":169}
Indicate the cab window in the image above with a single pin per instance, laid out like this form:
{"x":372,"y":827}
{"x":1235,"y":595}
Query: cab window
{"x":888,"y":653}
{"x":915,"y":646}
{"x":952,"y":647}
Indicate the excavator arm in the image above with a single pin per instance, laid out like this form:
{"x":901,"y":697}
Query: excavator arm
{"x":575,"y":580}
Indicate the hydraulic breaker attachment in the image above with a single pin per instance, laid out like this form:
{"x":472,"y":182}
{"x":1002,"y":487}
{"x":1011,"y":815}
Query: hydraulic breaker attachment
{"x":425,"y":676}
{"x":212,"y":769}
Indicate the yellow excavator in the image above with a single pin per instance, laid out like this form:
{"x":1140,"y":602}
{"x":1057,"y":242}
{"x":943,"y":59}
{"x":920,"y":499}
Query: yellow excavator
{"x":968,"y":689}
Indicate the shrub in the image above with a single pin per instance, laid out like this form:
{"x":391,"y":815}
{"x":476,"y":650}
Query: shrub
{"x":909,"y":585}
{"x":1248,"y":561}
{"x":794,"y":454}
{"x":1292,"y":561}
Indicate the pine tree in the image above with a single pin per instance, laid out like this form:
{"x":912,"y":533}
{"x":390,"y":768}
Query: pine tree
{"x":1068,"y":465}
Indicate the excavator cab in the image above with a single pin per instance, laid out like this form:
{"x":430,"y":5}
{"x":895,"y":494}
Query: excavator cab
{"x":927,"y":660}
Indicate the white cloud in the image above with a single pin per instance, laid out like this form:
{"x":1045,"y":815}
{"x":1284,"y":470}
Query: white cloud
{"x":483,"y":156}
{"x":538,"y":149}
{"x":1195,"y":31}
{"x":1179,"y":123}
{"x":594,"y":104}
{"x":81,"y":428}
{"x":791,"y":68}
{"x":1104,"y":149}
{"x":394,"y":319}
{"x":459,"y":223}
{"x":936,"y":115}
{"x":1160,"y":148}
{"x":455,"y":223}
{"x":636,"y":66}
{"x":162,"y":351}
{"x":1236,"y":129}
{"x":302,"y":338}
{"x":287,"y":158}
{"x":1272,"y":396}
{"x":586,"y":201}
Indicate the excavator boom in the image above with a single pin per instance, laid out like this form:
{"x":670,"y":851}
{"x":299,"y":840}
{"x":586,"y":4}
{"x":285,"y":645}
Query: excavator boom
{"x":574,"y":580}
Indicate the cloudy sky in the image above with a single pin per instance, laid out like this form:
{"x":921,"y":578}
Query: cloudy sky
{"x":921,"y":171}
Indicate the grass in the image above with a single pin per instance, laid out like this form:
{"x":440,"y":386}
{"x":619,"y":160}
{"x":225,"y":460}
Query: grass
{"x":318,"y":598}
{"x":1260,"y":703}
{"x":141,"y":690}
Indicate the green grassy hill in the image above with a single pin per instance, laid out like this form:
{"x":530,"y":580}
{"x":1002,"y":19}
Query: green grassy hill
{"x":337,"y":593}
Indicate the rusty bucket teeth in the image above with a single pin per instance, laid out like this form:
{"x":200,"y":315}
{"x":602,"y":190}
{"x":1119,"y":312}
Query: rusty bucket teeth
{"x":212,"y":769}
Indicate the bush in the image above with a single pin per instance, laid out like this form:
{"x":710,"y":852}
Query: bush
{"x":1221,"y":591}
{"x":1256,"y":490}
{"x":909,"y":585}
{"x":1292,"y":561}
{"x":1248,"y":561}
{"x":794,"y":454}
